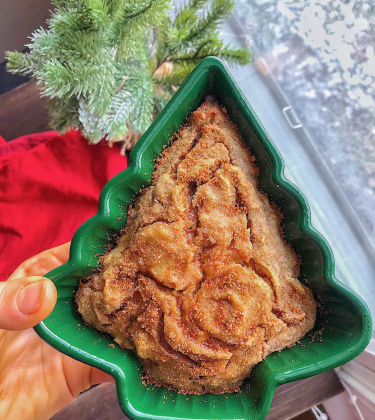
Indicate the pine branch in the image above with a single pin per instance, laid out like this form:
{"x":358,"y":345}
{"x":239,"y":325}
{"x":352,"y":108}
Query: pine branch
{"x":212,"y":18}
{"x":54,"y":79}
{"x":131,"y":107}
{"x":72,"y":78}
{"x":110,"y":66}
{"x":180,"y":72}
{"x":161,"y":47}
{"x":64,"y":3}
{"x":147,"y":6}
{"x":161,"y":98}
{"x":231,"y":55}
{"x":202,"y":39}
{"x":188,"y":13}
{"x":43,"y":44}
{"x":89,"y":123}
{"x":68,"y":19}
{"x":63,"y":113}
{"x":116,"y":120}
{"x":20,"y":63}
{"x":138,"y":25}
{"x":99,"y":12}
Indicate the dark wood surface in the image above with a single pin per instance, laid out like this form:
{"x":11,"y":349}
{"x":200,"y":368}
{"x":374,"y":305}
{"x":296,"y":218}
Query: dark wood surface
{"x":290,"y":400}
{"x":22,"y":111}
{"x":296,"y":397}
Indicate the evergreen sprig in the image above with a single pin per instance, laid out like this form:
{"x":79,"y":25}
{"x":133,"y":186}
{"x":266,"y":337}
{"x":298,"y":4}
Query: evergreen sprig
{"x":109,"y":67}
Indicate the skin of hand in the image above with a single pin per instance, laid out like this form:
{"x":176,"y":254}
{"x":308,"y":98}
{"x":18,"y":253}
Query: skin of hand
{"x":36,"y":381}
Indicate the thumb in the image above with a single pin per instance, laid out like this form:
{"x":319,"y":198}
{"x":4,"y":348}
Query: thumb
{"x":25,"y":301}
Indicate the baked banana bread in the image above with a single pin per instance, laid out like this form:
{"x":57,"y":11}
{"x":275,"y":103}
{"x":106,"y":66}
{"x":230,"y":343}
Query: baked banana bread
{"x":201,"y":284}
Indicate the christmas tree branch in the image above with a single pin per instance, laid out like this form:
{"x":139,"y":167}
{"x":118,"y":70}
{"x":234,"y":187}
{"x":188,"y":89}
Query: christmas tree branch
{"x":109,"y":67}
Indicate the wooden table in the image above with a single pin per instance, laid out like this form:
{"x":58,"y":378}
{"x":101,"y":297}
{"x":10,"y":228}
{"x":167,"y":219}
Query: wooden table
{"x":100,"y":402}
{"x":22,"y":112}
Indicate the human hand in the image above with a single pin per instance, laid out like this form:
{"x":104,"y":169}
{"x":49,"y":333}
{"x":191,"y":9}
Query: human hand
{"x":36,"y":381}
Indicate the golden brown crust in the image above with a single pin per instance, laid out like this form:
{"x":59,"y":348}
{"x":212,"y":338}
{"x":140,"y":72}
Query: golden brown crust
{"x":201,"y":285}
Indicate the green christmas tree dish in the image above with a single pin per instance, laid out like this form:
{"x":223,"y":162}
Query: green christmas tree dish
{"x":109,"y":67}
{"x":341,"y":332}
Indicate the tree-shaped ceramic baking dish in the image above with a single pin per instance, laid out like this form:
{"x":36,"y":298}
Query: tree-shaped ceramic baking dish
{"x":344,"y":326}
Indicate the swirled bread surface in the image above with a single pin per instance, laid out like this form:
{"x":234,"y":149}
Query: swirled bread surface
{"x":201,"y":284}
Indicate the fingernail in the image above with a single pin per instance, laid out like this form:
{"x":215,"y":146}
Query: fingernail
{"x":29,"y":298}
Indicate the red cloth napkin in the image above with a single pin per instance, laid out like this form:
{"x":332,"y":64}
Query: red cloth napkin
{"x":49,"y":185}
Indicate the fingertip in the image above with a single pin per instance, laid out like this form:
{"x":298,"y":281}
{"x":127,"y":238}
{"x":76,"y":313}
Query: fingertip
{"x":26,"y":301}
{"x":50,"y":291}
{"x":48,"y":298}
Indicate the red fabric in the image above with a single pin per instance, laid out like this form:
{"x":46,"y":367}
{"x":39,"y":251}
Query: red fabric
{"x":49,"y":185}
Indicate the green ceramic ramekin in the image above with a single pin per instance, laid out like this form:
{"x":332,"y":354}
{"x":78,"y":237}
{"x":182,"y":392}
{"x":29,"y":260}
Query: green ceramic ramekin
{"x":343,"y":328}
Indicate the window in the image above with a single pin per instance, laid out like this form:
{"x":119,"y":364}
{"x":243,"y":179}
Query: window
{"x":312,"y":84}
